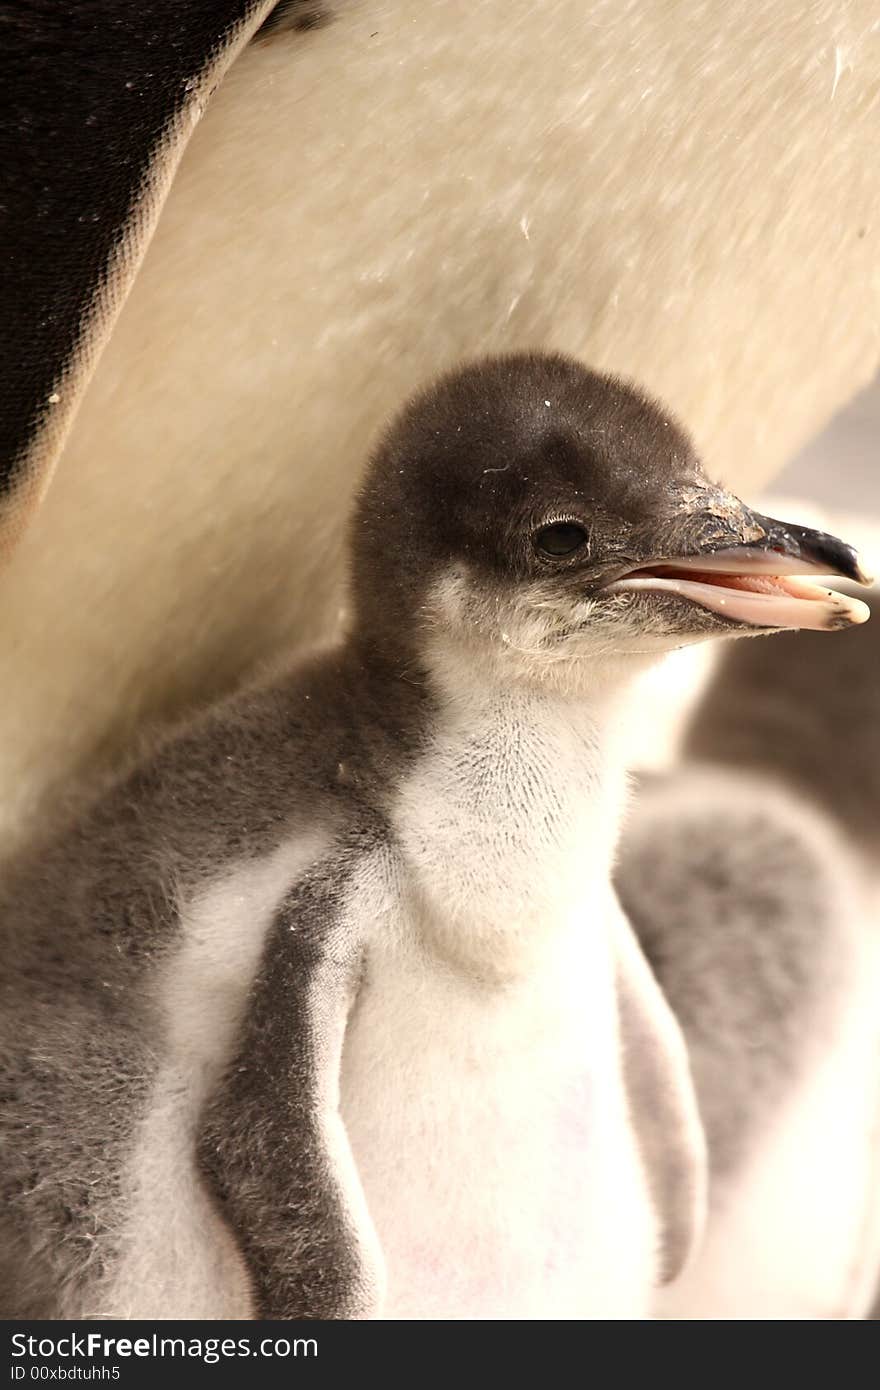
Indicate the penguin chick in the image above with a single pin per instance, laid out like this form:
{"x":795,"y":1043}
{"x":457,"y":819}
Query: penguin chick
{"x":750,"y":875}
{"x":317,"y":1012}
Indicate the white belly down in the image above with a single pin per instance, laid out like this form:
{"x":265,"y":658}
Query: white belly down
{"x":488,"y":1123}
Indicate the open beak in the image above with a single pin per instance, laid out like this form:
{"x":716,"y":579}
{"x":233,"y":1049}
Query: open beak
{"x":757,"y":581}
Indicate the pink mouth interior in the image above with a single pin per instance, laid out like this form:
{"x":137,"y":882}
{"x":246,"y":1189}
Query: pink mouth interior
{"x":751,"y":583}
{"x":758,"y":600}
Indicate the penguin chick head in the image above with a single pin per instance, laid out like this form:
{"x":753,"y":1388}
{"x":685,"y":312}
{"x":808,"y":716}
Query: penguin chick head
{"x":528,"y":513}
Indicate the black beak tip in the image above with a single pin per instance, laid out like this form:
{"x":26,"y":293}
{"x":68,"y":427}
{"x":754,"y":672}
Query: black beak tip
{"x":828,"y":553}
{"x":850,"y":564}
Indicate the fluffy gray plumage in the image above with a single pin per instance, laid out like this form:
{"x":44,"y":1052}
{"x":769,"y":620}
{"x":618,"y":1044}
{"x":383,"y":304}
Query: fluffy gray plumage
{"x":448,"y":531}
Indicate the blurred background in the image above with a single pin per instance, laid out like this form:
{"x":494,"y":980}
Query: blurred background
{"x":838,"y":469}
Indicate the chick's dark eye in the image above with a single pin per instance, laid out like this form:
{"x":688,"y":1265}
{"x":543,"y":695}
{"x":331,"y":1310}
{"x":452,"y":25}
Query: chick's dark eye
{"x":562,"y":538}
